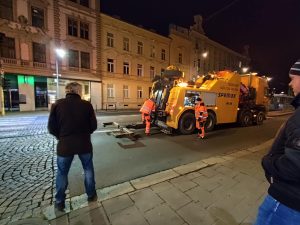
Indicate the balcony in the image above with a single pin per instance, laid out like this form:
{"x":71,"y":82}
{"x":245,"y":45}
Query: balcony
{"x":9,"y":61}
{"x":25,"y":63}
{"x":39,"y":65}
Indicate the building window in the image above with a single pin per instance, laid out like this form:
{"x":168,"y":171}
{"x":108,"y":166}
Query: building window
{"x":163,"y":54}
{"x":162,"y":71}
{"x":38,"y":17}
{"x":72,"y":27}
{"x":140,"y":48}
{"x":126,"y":68}
{"x":180,"y":58}
{"x":152,"y":51}
{"x":126,"y":44}
{"x":152,"y":72}
{"x":6,"y":9}
{"x":139,"y":92}
{"x":39,"y":52}
{"x":84,"y":30}
{"x":85,"y":60}
{"x":125,"y":91}
{"x":110,"y":40}
{"x":140,"y":70}
{"x":110,"y":91}
{"x":82,"y":2}
{"x":73,"y":58}
{"x":110,"y":65}
{"x":7,"y":48}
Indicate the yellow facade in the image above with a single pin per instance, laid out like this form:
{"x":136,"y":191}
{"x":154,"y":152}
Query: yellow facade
{"x":130,"y":58}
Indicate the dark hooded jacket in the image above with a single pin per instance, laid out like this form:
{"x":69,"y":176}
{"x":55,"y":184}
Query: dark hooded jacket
{"x":282,"y":163}
{"x":72,"y":121}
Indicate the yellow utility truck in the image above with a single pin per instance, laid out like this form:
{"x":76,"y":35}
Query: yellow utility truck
{"x":229,"y":97}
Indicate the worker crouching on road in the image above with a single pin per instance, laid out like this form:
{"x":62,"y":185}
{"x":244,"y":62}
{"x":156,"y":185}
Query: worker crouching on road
{"x":146,"y":110}
{"x":201,"y":116}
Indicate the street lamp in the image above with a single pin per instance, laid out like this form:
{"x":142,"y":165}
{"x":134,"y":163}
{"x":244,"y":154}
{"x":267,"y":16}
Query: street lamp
{"x":59,"y":53}
{"x":245,"y":69}
{"x":204,"y":54}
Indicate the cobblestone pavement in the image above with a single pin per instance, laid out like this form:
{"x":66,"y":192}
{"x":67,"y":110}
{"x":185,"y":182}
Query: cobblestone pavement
{"x":27,"y":168}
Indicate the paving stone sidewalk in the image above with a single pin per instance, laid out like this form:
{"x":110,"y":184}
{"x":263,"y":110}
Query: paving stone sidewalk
{"x":225,"y":190}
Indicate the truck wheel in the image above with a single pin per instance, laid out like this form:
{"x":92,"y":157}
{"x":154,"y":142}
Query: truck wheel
{"x":187,"y":123}
{"x":259,"y":119}
{"x":210,"y":122}
{"x":245,"y":119}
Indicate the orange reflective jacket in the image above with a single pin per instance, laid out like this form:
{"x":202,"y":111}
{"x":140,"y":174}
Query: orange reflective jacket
{"x":201,"y":112}
{"x":148,"y":107}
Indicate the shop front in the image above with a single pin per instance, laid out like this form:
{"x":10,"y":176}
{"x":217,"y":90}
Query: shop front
{"x":30,"y":93}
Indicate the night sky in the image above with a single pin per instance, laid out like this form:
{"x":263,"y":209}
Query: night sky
{"x":271,"y":28}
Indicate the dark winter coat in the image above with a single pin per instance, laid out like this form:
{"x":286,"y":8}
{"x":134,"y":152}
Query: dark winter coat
{"x":282,"y":163}
{"x":72,"y":121}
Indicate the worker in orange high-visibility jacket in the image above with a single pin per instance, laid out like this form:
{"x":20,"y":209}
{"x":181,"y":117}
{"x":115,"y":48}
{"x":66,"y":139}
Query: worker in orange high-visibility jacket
{"x":201,"y":116}
{"x":146,"y":110}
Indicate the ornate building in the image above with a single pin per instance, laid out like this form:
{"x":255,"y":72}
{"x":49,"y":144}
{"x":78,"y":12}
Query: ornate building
{"x":33,"y":29}
{"x":114,"y":61}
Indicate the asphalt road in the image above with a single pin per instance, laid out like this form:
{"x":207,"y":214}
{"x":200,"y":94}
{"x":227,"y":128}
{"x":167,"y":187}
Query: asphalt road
{"x":117,"y":160}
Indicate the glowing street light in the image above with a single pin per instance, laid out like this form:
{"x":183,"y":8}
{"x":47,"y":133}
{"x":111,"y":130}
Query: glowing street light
{"x":269,"y":79}
{"x":204,"y":54}
{"x":245,"y":69}
{"x":59,"y":53}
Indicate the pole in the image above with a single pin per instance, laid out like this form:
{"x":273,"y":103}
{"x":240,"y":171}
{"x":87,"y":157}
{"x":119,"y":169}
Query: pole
{"x":57,"y":87}
{"x":2,"y":91}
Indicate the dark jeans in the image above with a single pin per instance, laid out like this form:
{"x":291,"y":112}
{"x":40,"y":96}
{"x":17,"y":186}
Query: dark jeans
{"x":272,"y":212}
{"x":63,"y":167}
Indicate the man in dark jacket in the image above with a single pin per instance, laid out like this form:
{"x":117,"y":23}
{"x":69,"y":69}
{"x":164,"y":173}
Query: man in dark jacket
{"x":72,"y":121}
{"x":282,"y":168}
